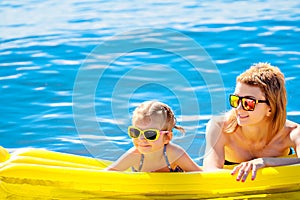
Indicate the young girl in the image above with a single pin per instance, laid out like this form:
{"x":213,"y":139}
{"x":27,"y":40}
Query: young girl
{"x":151,"y":133}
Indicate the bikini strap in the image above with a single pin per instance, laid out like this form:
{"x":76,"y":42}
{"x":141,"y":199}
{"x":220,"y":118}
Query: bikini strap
{"x":141,"y":164}
{"x":166,"y":158}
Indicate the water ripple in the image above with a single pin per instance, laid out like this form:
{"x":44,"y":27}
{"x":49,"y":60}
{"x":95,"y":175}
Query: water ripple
{"x":45,"y":43}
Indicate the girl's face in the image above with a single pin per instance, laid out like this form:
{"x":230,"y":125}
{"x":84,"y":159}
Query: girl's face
{"x":261,"y":111}
{"x":144,"y":146}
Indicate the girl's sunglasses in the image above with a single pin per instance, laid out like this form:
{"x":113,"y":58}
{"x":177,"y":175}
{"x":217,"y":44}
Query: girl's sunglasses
{"x":248,"y":103}
{"x":149,"y":134}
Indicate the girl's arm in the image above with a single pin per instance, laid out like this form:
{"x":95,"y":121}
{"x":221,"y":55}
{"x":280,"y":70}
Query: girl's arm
{"x":124,"y":162}
{"x":187,"y":164}
{"x":179,"y":157}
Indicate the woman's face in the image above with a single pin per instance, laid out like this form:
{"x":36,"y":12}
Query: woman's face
{"x":261,"y":111}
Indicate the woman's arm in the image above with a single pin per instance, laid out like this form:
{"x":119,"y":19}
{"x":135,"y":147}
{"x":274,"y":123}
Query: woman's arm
{"x":295,"y":136}
{"x":214,"y":156}
{"x":244,"y":169}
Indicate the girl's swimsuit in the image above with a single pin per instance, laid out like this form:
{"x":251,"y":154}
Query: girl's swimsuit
{"x":177,"y":169}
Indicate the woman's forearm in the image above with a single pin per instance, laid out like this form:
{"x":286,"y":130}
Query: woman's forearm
{"x":269,"y":162}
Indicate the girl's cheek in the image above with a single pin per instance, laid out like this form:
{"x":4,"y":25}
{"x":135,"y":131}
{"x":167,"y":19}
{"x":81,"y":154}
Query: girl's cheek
{"x":134,"y":142}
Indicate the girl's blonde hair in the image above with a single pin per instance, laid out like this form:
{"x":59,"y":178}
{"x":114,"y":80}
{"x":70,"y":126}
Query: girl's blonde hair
{"x":156,"y":111}
{"x":271,"y":82}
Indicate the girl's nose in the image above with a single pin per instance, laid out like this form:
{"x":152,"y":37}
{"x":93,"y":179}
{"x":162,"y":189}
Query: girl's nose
{"x":141,"y":136}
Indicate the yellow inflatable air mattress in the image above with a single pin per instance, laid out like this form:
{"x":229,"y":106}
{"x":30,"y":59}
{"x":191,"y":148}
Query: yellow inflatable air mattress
{"x":44,"y":174}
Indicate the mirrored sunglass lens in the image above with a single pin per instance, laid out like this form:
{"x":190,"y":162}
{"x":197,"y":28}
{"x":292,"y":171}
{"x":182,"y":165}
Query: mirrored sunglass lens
{"x":151,"y":134}
{"x":234,"y":101}
{"x":134,"y":133}
{"x":248,"y":104}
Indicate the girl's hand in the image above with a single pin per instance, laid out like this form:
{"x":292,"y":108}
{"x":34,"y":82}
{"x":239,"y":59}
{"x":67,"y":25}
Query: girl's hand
{"x":245,"y":168}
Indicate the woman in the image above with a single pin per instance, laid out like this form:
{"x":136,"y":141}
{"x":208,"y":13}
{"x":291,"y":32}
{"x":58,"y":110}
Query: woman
{"x":255,"y":133}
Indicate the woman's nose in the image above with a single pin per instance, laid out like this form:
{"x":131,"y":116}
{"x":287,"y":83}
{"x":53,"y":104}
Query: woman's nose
{"x":240,"y":106}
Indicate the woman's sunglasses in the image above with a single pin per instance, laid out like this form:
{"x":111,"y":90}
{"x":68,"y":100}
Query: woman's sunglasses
{"x":248,"y":103}
{"x":149,"y":134}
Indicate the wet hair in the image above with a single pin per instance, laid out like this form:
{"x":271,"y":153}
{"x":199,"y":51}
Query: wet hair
{"x":271,"y":82}
{"x":159,"y":113}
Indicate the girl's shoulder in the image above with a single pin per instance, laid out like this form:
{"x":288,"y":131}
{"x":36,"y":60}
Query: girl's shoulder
{"x":132,"y":154}
{"x":128,"y":159}
{"x":133,"y":151}
{"x":174,"y":149}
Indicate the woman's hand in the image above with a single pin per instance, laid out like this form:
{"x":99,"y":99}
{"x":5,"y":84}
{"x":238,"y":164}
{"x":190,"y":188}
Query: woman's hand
{"x":245,"y":168}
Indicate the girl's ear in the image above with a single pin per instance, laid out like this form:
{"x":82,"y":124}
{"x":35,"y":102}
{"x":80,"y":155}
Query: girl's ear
{"x":168,"y":137}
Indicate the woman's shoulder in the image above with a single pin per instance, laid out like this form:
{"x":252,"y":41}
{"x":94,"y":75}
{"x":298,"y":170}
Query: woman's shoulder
{"x":291,"y":124}
{"x":216,"y":122}
{"x":219,"y":119}
{"x":293,"y":129}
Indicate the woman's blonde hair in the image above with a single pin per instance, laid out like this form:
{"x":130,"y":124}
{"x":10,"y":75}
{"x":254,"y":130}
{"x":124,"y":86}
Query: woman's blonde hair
{"x":156,"y":111}
{"x":271,"y":82}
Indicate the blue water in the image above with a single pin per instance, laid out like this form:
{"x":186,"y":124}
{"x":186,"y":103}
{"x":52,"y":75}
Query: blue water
{"x":71,"y":72}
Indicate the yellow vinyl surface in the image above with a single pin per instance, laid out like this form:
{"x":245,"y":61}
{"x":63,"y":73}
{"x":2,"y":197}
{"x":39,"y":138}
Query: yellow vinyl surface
{"x":46,"y":174}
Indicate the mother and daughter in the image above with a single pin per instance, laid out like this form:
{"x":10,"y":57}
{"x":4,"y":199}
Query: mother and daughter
{"x":253,"y":134}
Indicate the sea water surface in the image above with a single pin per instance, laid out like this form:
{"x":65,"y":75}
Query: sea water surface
{"x":72,"y":72}
{"x":123,"y":53}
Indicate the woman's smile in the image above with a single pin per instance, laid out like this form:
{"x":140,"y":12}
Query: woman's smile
{"x":244,"y":116}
